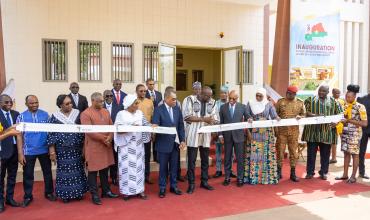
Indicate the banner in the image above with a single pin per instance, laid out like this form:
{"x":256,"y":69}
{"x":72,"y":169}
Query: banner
{"x":314,"y":44}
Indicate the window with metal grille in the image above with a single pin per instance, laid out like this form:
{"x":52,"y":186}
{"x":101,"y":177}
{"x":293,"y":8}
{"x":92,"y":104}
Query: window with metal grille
{"x":247,"y":67}
{"x":150,"y":62}
{"x":54,"y":60}
{"x":122,"y":61}
{"x":89,"y":60}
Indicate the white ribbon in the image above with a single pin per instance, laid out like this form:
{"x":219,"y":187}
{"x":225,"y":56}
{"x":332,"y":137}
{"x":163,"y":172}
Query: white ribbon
{"x":272,"y":123}
{"x":45,"y":127}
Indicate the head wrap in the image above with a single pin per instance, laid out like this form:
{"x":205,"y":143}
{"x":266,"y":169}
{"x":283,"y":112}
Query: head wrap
{"x":224,"y":88}
{"x":129,"y":100}
{"x":292,"y":88}
{"x":197,"y":85}
{"x":258,"y":107}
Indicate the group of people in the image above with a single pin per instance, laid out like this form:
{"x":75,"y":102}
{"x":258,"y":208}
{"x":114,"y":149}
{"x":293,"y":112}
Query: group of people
{"x":125,"y":156}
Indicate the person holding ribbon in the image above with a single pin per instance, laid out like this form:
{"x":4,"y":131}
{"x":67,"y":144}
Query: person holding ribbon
{"x":289,"y":107}
{"x":355,"y":118}
{"x":201,"y":112}
{"x":98,"y":149}
{"x":320,"y":135}
{"x":169,"y":145}
{"x":130,"y":148}
{"x":260,"y":154}
{"x":65,"y":150}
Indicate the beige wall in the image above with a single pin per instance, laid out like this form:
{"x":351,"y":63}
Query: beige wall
{"x":200,"y":59}
{"x":181,"y":22}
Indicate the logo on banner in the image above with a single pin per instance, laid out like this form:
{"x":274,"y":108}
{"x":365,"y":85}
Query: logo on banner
{"x":316,"y":31}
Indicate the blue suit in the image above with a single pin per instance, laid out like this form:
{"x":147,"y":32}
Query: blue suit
{"x":168,"y":150}
{"x":121,"y":96}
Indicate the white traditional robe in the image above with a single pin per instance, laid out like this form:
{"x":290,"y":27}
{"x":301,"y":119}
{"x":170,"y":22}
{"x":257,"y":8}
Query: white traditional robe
{"x":131,"y":158}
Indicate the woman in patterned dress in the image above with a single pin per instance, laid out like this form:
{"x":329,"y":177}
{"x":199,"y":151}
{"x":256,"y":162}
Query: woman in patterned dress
{"x":131,"y":152}
{"x":66,"y":151}
{"x":260,"y":158}
{"x":354,"y":119}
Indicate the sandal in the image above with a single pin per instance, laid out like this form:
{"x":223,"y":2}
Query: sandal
{"x":351,"y":180}
{"x":332,"y":161}
{"x":341,"y":178}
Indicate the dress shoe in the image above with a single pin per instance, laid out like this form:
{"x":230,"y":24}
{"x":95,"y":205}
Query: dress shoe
{"x":96,"y":200}
{"x":115,"y":182}
{"x":51,"y":197}
{"x":180,"y":179}
{"x":148,"y":181}
{"x":65,"y":200}
{"x":240,"y":183}
{"x":191,"y":189}
{"x":126,"y":197}
{"x":217,"y":174}
{"x":293,"y":177}
{"x":176,"y":191}
{"x":206,"y":186}
{"x":232,"y":175}
{"x":109,"y":195}
{"x":27,"y":202}
{"x":12,"y":203}
{"x":324,"y":177}
{"x":162,"y":193}
{"x":2,"y":207}
{"x":226,"y":182}
{"x":364,"y":176}
{"x":309,"y":176}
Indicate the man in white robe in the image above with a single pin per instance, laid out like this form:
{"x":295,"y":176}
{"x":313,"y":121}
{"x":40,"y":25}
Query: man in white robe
{"x":131,"y":152}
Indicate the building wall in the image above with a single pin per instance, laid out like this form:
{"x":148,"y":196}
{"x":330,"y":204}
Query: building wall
{"x":179,"y":22}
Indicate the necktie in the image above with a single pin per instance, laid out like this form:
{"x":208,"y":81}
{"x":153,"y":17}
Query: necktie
{"x":232,"y":111}
{"x":118,"y":98}
{"x":8,"y":119}
{"x":75,"y":98}
{"x":171,"y":114}
{"x":153,"y":95}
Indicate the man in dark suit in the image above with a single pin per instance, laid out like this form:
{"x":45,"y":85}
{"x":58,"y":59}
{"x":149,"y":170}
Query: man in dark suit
{"x":233,"y":112}
{"x":78,"y":101}
{"x":118,"y":95}
{"x":151,"y":93}
{"x":113,"y":111}
{"x":365,"y":100}
{"x":8,"y":153}
{"x":168,"y":146}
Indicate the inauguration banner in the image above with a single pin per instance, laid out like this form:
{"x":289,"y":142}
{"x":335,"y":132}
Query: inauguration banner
{"x":314,"y":44}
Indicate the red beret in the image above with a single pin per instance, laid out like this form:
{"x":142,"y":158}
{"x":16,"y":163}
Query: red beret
{"x":292,"y":89}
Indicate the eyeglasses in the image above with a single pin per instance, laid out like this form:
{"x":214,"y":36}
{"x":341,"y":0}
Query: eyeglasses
{"x":8,"y":102}
{"x":109,"y":96}
{"x":233,"y":99}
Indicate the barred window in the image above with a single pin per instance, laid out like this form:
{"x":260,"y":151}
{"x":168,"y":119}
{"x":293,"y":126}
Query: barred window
{"x":54,"y":60}
{"x":150,"y":61}
{"x":122,"y":61}
{"x":247,"y":67}
{"x":89,"y":65}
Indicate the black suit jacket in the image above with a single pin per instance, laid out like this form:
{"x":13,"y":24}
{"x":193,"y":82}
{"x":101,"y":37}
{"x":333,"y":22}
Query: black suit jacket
{"x":240,"y":115}
{"x":365,"y":100}
{"x":7,"y":145}
{"x":82,"y":102}
{"x":158,"y":97}
{"x":115,"y":110}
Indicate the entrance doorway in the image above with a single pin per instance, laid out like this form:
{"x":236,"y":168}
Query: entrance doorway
{"x":197,"y":64}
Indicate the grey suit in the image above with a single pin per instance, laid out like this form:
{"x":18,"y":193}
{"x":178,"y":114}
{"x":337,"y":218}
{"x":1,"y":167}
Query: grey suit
{"x":234,"y":139}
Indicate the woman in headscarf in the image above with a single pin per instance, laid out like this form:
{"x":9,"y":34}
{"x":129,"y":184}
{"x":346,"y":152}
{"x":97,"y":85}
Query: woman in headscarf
{"x":66,"y":151}
{"x":260,"y":158}
{"x":350,"y":129}
{"x":130,"y":147}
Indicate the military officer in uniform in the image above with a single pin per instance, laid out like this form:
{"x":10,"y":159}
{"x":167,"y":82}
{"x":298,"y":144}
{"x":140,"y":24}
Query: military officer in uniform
{"x":289,"y":107}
